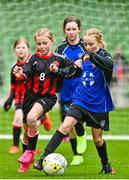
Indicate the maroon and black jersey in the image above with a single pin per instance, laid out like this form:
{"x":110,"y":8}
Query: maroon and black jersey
{"x":40,"y":80}
{"x":18,"y":88}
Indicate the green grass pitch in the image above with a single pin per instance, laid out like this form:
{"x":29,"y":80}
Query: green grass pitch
{"x":118,"y":152}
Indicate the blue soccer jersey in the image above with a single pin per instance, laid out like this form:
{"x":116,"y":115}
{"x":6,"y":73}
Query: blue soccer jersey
{"x":93,"y":92}
{"x":73,"y":52}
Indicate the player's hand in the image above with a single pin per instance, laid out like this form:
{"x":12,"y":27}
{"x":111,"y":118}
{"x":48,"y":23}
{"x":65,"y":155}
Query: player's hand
{"x":78,"y":63}
{"x":86,"y":57}
{"x":53,"y":68}
{"x":17,"y":71}
{"x":8,"y":104}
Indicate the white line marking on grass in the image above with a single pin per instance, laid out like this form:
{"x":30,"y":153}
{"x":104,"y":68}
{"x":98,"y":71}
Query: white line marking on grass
{"x":48,"y":137}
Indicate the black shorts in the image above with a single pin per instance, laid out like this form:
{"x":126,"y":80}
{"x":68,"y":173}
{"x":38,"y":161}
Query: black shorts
{"x":30,"y":99}
{"x":95,"y":120}
{"x":18,"y":106}
{"x":64,"y":107}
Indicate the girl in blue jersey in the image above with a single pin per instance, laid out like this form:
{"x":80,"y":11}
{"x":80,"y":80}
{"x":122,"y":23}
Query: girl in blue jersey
{"x":91,"y":101}
{"x":73,"y":48}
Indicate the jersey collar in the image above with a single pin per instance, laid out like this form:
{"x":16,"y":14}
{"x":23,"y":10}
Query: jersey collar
{"x":43,"y":56}
{"x":24,"y":61}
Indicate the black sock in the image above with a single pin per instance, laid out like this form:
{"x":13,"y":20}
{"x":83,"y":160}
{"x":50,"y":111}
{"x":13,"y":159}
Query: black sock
{"x":73,"y":143}
{"x":102,"y":151}
{"x":24,"y":147}
{"x":53,"y":143}
{"x":32,"y":142}
{"x":79,"y":129}
{"x":16,"y":135}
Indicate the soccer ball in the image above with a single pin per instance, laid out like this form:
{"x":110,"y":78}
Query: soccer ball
{"x":54,"y":164}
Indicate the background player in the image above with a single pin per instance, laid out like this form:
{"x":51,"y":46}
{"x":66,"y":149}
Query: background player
{"x":17,"y":91}
{"x":73,"y":48}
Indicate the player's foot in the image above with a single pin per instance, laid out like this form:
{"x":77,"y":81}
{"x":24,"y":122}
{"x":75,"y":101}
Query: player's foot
{"x":39,"y":164}
{"x":107,"y":169}
{"x":14,"y":150}
{"x":27,"y":157}
{"x":77,"y":160}
{"x":47,"y":122}
{"x":38,"y":150}
{"x":24,"y":168}
{"x":81,"y":144}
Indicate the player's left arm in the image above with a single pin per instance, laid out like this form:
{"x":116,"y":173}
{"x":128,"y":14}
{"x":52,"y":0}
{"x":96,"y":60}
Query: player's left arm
{"x":102,"y":60}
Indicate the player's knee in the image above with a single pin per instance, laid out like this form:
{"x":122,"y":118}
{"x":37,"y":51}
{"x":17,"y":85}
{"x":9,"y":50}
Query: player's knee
{"x":18,"y":122}
{"x":98,"y":141}
{"x":31,"y":121}
{"x":65,"y":128}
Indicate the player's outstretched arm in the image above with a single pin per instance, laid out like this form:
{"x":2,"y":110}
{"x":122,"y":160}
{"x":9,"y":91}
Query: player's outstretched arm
{"x":72,"y":71}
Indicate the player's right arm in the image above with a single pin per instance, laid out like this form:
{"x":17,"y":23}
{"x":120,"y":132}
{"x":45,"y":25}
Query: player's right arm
{"x":24,"y":72}
{"x":66,"y":68}
{"x":8,"y":103}
{"x":18,"y":72}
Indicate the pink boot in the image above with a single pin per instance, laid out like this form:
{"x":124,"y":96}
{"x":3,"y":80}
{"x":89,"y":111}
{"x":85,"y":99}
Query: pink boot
{"x":27,"y":157}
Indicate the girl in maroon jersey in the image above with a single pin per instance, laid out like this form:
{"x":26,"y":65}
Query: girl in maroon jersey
{"x":17,"y":90}
{"x":42,"y":85}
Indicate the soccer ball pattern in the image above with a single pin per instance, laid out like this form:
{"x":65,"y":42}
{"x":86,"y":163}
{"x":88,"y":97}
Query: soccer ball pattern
{"x":54,"y":164}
